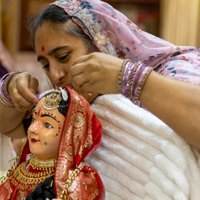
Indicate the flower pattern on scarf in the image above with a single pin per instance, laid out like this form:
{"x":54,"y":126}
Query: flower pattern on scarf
{"x":131,"y":42}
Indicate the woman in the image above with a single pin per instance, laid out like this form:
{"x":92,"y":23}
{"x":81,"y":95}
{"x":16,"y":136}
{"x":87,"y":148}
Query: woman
{"x":63,"y":44}
{"x":63,"y":132}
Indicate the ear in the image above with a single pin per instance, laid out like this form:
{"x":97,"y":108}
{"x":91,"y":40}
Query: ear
{"x":111,"y":37}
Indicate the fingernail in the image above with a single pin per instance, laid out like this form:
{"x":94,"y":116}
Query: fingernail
{"x":35,"y":101}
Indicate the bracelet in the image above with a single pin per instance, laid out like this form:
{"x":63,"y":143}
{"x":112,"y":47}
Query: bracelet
{"x":4,"y":94}
{"x":121,"y":74}
{"x":131,"y":79}
{"x":2,"y":89}
{"x":126,"y":74}
{"x":140,"y":84}
{"x":136,"y":78}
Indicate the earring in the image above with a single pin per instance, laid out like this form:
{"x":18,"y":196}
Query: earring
{"x":35,"y":129}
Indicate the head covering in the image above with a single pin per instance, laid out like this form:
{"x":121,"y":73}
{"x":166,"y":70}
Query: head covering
{"x":81,"y":135}
{"x":114,"y":34}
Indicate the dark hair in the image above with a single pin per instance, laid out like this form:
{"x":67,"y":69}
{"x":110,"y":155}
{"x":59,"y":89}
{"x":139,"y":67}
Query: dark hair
{"x":63,"y":105}
{"x":57,"y":15}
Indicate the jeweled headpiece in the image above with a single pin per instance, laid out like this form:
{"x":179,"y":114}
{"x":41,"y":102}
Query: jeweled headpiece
{"x":52,"y":100}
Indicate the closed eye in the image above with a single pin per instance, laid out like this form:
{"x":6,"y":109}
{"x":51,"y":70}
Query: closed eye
{"x":63,"y":57}
{"x":46,"y":67}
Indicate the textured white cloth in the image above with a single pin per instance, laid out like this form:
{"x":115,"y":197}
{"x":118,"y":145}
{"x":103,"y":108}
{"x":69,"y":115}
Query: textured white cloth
{"x":140,"y":157}
{"x":6,"y":154}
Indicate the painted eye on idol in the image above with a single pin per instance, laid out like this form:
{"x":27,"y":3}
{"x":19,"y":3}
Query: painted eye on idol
{"x":47,"y":125}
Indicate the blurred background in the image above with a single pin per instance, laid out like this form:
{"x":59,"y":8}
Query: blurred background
{"x":177,"y":21}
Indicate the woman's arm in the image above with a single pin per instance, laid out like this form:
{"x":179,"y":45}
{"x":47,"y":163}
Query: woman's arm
{"x":22,"y":88}
{"x":17,"y":133}
{"x":10,"y":118}
{"x":176,"y":103}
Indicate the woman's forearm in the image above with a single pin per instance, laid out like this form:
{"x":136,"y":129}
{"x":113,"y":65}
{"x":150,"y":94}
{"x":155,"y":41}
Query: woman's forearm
{"x":175,"y":103}
{"x":17,"y":133}
{"x":10,"y":118}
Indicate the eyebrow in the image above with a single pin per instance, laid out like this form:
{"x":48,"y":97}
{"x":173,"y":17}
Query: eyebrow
{"x":51,"y":52}
{"x":45,"y":115}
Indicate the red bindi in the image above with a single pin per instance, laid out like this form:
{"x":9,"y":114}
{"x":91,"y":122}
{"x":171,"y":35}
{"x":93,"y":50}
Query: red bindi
{"x":42,"y":48}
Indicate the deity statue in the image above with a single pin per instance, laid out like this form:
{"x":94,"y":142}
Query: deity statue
{"x":63,"y":132}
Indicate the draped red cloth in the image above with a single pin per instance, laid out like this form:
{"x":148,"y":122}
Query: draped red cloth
{"x":81,"y":135}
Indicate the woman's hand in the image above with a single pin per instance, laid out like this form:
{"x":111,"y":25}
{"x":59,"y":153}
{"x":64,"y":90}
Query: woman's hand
{"x":97,"y":72}
{"x":22,"y":89}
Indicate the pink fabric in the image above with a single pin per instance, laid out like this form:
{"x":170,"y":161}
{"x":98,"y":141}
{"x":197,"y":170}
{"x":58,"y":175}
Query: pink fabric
{"x":113,"y":33}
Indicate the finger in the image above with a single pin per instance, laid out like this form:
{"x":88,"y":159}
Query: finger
{"x":76,"y":70}
{"x":81,"y":59}
{"x":79,"y":80}
{"x":20,"y":103}
{"x":25,"y":92}
{"x":86,"y":86}
{"x":33,"y":86}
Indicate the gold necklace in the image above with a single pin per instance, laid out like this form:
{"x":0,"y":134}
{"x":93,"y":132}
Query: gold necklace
{"x":26,"y":180}
{"x":40,"y":164}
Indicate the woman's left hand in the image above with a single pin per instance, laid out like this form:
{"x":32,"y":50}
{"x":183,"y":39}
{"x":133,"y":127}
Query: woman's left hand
{"x":97,"y":72}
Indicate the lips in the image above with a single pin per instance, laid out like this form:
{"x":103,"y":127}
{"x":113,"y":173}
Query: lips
{"x":34,"y":140}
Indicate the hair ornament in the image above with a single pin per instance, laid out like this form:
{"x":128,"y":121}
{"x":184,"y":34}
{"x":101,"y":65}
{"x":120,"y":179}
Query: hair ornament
{"x":52,"y":100}
{"x":44,"y":93}
{"x":64,"y":94}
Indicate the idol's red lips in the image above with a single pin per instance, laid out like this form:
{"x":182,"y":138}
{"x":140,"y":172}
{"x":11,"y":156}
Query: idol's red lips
{"x":34,"y":140}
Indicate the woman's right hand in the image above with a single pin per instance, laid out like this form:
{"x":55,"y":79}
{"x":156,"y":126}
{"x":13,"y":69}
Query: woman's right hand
{"x":22,"y":89}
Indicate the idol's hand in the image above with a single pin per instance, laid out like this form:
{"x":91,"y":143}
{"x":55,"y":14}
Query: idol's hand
{"x":22,"y":89}
{"x":96,"y":72}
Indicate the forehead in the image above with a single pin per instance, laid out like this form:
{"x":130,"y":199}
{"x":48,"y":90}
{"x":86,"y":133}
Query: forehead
{"x":40,"y":110}
{"x":40,"y":105}
{"x":52,"y":35}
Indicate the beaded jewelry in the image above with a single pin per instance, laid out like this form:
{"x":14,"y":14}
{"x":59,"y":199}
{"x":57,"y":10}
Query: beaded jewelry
{"x":121,"y":72}
{"x":25,"y":180}
{"x":39,"y":164}
{"x":70,"y":179}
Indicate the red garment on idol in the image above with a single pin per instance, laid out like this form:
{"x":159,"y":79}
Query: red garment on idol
{"x":81,"y":135}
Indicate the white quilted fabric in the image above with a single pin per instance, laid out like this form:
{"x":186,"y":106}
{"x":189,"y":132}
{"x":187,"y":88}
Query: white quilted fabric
{"x":140,"y":157}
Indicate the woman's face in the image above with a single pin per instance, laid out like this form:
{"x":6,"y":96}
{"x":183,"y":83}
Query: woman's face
{"x":57,"y":51}
{"x":45,"y":131}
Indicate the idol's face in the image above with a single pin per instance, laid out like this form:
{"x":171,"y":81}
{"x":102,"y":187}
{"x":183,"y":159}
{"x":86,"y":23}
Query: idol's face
{"x":57,"y":51}
{"x":45,"y":131}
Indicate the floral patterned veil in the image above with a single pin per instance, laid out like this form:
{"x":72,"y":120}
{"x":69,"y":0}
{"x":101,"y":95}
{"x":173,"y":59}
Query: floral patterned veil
{"x":114,"y":34}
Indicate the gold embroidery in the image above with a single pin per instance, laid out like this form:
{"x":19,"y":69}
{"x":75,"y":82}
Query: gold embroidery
{"x":93,"y":195}
{"x":79,"y":120}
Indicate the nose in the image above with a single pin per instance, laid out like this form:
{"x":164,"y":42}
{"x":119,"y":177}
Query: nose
{"x":34,"y":128}
{"x":56,"y":75}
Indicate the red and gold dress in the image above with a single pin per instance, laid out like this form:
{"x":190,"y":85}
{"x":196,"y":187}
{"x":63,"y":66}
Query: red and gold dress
{"x":81,"y":135}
